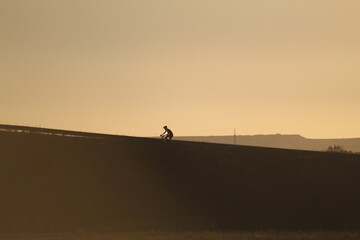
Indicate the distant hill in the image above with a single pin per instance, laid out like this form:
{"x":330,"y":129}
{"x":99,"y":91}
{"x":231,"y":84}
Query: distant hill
{"x":280,"y":141}
{"x":65,"y":181}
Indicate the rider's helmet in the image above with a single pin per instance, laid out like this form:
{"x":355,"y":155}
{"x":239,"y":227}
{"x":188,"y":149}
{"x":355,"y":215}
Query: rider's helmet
{"x":165,"y":127}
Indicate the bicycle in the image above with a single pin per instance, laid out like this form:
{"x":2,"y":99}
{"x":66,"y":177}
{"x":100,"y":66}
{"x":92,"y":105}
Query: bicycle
{"x":165,"y":137}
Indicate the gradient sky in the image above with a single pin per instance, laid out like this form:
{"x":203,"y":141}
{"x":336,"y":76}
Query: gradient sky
{"x":202,"y":67}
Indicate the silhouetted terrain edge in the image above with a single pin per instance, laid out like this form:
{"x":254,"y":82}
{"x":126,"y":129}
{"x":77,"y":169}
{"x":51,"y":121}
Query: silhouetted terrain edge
{"x":281,"y":141}
{"x":59,"y":181}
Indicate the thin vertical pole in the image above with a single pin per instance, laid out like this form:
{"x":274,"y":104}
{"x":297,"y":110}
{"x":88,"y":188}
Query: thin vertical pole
{"x":234,"y":136}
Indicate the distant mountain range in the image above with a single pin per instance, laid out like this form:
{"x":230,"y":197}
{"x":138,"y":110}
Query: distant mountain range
{"x":280,"y":141}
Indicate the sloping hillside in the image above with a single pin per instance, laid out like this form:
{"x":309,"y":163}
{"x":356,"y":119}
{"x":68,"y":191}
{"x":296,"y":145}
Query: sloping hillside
{"x":281,"y":141}
{"x":58,"y":181}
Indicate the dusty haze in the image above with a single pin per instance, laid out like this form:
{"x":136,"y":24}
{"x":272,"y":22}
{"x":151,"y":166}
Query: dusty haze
{"x":200,"y":67}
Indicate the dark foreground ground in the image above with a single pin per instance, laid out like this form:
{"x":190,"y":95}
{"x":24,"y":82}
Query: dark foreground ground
{"x":318,"y":235}
{"x":58,"y":181}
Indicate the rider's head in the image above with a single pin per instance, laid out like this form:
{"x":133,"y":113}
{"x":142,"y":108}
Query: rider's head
{"x":165,"y":127}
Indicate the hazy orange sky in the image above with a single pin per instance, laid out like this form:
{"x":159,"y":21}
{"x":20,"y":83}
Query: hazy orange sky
{"x":202,"y":67}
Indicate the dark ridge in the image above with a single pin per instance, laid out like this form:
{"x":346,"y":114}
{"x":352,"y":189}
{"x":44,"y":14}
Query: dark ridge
{"x":48,"y":131}
{"x":51,"y":182}
{"x":281,"y":141}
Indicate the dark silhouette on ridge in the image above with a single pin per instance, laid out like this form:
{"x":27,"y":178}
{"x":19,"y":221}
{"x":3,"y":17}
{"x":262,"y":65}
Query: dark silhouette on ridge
{"x":167,"y":135}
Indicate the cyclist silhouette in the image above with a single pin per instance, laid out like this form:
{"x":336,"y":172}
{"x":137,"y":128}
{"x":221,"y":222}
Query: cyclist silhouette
{"x":167,"y":135}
